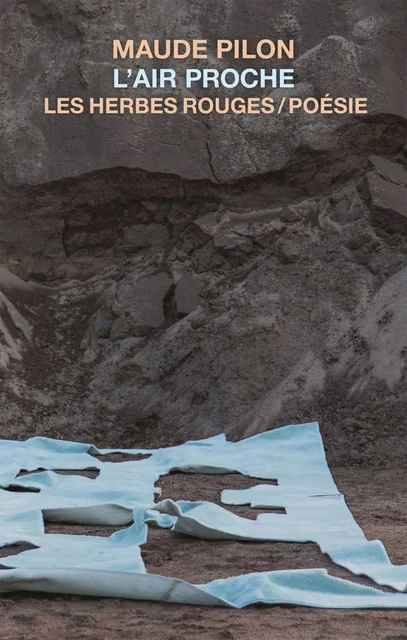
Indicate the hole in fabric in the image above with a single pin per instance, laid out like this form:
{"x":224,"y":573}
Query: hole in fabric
{"x":103,"y":531}
{"x":14,"y":489}
{"x":202,"y":487}
{"x":92,"y":474}
{"x":15,"y":549}
{"x":197,"y":561}
{"x":123,"y":457}
{"x":246,"y":482}
{"x":86,"y":473}
{"x":250,"y":512}
{"x":24,"y":472}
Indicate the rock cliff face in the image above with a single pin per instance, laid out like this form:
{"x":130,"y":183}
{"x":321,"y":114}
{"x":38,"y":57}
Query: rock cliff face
{"x":176,"y":277}
{"x":63,"y":48}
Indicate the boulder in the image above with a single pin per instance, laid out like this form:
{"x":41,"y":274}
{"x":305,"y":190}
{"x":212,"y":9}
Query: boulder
{"x":143,"y":301}
{"x":187,"y":292}
{"x":228,"y":239}
{"x":103,"y":323}
{"x":388,"y":202}
{"x":120,"y":329}
{"x":388,"y":170}
{"x":208,"y":223}
{"x":207,"y":258}
{"x":263,"y":234}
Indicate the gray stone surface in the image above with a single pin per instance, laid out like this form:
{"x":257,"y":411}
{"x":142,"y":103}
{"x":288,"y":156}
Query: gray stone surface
{"x":388,"y":170}
{"x":187,"y":292}
{"x":53,"y":48}
{"x":288,"y":250}
{"x":120,"y":329}
{"x":142,"y":300}
{"x":103,"y":322}
{"x":141,"y":236}
{"x":309,"y":324}
{"x":388,"y":201}
{"x":227,"y":239}
{"x":293,"y":240}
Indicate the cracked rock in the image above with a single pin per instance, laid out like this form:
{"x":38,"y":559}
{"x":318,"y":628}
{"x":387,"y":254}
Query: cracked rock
{"x":389,"y":170}
{"x":233,"y":246}
{"x":388,"y":201}
{"x":207,"y":258}
{"x":264,"y":234}
{"x":208,"y":223}
{"x":143,"y":301}
{"x":227,"y":239}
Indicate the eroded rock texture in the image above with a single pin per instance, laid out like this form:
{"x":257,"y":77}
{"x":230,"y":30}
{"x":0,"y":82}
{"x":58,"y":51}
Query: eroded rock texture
{"x":171,"y":278}
{"x":63,"y":48}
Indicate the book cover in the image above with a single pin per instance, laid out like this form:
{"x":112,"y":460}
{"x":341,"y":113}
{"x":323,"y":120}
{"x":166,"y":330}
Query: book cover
{"x":203,"y":231}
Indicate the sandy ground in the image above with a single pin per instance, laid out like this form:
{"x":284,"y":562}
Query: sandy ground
{"x":378,"y":501}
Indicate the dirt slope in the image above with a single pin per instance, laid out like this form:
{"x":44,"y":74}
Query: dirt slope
{"x":196,"y":310}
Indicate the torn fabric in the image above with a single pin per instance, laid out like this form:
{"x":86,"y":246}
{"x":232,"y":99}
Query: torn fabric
{"x":124,"y":493}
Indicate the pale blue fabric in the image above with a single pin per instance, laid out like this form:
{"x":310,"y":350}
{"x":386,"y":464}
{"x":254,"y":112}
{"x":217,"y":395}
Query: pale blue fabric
{"x":124,"y":493}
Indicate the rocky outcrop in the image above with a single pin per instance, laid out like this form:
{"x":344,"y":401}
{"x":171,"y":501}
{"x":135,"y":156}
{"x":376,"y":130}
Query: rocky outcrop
{"x":187,"y":295}
{"x":16,"y":331}
{"x":51,"y":48}
{"x":226,"y":311}
{"x":385,"y":188}
{"x":175,"y":277}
